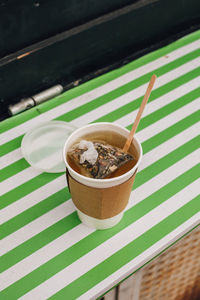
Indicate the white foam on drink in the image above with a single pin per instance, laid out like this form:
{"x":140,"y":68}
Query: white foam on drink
{"x":90,"y":154}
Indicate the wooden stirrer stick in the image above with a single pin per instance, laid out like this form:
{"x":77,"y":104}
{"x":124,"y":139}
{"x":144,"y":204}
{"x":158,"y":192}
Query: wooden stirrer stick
{"x":139,"y":114}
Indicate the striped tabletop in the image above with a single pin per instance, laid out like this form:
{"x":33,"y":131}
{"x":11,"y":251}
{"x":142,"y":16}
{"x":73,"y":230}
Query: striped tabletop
{"x":46,"y":251}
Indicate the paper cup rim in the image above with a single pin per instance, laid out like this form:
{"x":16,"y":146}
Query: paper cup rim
{"x":95,"y":180}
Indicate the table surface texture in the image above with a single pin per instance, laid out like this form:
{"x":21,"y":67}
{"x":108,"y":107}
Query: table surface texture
{"x":46,"y":251}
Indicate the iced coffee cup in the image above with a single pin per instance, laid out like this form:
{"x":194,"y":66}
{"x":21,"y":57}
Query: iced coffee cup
{"x":100,"y":202}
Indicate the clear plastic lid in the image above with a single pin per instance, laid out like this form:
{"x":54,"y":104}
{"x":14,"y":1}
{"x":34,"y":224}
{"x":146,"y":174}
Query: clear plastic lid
{"x":42,"y":146}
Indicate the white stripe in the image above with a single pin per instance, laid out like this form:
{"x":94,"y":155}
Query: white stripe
{"x":67,"y":240}
{"x":165,"y":177}
{"x":31,"y":229}
{"x":140,"y":260}
{"x":10,"y":158}
{"x":111,"y":246}
{"x":106,"y":88}
{"x":136,"y":93}
{"x":33,"y":198}
{"x":168,"y":121}
{"x":29,"y":173}
{"x":18,"y":179}
{"x":63,"y":210}
{"x":170,"y":145}
{"x":46,"y":253}
{"x":160,"y":102}
{"x":59,"y":183}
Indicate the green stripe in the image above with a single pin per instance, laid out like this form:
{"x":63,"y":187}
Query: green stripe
{"x":34,"y":212}
{"x":168,"y":133}
{"x":58,"y":198}
{"x":18,"y":119}
{"x":159,"y":92}
{"x":168,"y":109}
{"x":148,"y":145}
{"x":149,"y":261}
{"x":26,"y":188}
{"x":81,"y":110}
{"x":13,"y":169}
{"x":160,"y":113}
{"x":128,"y":253}
{"x":11,"y":145}
{"x":167,"y":161}
{"x":92,"y":84}
{"x":143,"y":176}
{"x":38,"y":241}
{"x":97,"y":82}
{"x":81,"y":248}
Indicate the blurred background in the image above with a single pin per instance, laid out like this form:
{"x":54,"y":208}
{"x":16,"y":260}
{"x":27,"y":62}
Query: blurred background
{"x":47,"y":42}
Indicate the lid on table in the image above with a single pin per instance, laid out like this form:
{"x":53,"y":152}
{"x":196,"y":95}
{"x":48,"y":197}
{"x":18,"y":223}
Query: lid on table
{"x":42,"y":146}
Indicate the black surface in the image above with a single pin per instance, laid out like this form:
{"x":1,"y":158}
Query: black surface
{"x":24,"y":22}
{"x":99,"y":44}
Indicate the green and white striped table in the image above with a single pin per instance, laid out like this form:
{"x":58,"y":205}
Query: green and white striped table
{"x":46,"y":251}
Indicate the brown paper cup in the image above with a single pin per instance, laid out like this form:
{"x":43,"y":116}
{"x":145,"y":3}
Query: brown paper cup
{"x":100,"y":202}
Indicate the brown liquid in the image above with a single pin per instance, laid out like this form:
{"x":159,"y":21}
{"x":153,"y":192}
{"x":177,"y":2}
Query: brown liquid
{"x":114,"y":139}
